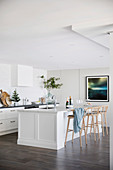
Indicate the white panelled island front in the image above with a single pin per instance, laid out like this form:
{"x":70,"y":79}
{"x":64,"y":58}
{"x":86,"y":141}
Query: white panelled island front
{"x":42,"y":127}
{"x":45,"y":128}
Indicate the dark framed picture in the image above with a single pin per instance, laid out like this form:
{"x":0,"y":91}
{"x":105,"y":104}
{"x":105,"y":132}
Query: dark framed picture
{"x":97,"y":88}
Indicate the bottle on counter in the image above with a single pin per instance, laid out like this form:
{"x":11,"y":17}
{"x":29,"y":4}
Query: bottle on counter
{"x":67,"y":102}
{"x":25,"y":101}
{"x":70,"y":100}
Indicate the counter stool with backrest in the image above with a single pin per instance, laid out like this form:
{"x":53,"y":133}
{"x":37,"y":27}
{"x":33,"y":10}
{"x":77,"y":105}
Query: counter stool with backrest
{"x":69,"y":130}
{"x":92,"y":112}
{"x":103,"y":111}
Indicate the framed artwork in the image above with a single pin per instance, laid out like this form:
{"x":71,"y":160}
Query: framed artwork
{"x":97,"y":88}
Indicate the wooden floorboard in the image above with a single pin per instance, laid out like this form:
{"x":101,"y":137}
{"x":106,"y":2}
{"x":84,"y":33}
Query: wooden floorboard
{"x":16,"y":157}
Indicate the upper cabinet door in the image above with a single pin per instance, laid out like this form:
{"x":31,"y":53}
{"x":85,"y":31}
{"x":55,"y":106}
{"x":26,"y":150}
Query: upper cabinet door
{"x":22,"y":75}
{"x":25,"y":75}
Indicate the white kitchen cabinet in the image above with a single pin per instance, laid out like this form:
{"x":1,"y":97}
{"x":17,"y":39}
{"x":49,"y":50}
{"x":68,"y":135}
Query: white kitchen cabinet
{"x":26,"y":126}
{"x":12,"y":123}
{"x":21,"y":75}
{"x":8,"y":120}
{"x":3,"y":125}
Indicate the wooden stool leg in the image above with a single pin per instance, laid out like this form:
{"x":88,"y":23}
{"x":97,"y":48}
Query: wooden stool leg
{"x":67,"y":130}
{"x":86,"y":137}
{"x":80,"y":134}
{"x":102,"y":124}
{"x":106,"y":123}
{"x":91,"y":127}
{"x":84,"y":130}
{"x":84,"y":125}
{"x":80,"y":139}
{"x":94,"y":127}
{"x":97,"y":126}
{"x":72,"y":136}
{"x":87,"y":129}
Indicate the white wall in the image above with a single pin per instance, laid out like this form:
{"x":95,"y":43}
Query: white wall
{"x":5,"y":76}
{"x":74,"y":83}
{"x":32,"y":93}
{"x":70,"y":87}
{"x":111,"y":104}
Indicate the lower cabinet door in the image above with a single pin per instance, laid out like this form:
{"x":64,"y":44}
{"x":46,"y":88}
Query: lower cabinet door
{"x":12,"y":123}
{"x":27,"y":126}
{"x":8,"y":124}
{"x":3,"y":125}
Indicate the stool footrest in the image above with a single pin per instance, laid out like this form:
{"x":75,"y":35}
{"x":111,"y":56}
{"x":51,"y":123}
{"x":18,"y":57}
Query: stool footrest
{"x":69,"y":130}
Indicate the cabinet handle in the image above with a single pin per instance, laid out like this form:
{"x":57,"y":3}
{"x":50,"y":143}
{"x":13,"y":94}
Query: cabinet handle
{"x":12,"y":110}
{"x":12,"y":121}
{"x":1,"y":123}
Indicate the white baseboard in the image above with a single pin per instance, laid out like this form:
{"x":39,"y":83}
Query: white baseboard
{"x":35,"y":143}
{"x":8,"y":132}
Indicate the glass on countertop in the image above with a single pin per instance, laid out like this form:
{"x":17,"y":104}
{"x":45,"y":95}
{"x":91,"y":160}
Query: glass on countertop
{"x":82,"y":104}
{"x":79,"y":103}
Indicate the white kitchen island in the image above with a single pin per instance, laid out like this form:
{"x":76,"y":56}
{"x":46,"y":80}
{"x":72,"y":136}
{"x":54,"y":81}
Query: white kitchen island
{"x":42,"y":127}
{"x":45,"y":128}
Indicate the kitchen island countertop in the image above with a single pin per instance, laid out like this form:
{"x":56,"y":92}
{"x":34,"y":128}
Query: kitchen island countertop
{"x":50,"y":110}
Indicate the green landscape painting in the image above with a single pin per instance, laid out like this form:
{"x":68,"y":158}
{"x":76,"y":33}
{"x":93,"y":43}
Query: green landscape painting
{"x":97,"y":88}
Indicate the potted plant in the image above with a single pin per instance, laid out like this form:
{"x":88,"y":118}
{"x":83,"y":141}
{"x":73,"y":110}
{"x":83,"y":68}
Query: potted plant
{"x":51,"y":84}
{"x":15,"y":97}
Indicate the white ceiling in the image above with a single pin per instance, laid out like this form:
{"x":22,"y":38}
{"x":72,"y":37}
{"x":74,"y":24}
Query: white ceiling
{"x":39,"y":33}
{"x":98,"y":33}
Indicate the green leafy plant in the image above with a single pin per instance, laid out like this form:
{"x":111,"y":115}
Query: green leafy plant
{"x":51,"y":83}
{"x":15,"y":96}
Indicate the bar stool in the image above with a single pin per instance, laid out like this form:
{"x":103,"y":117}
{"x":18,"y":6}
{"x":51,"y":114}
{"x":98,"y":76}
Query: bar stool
{"x":103,"y":111}
{"x":92,"y":112}
{"x":69,"y":130}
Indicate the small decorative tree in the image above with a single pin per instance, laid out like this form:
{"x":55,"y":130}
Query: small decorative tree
{"x":15,"y":97}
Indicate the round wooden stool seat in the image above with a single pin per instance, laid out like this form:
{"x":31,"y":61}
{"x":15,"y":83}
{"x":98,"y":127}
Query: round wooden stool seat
{"x":70,"y":116}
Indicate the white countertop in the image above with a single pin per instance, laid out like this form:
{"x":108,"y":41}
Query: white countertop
{"x":54,"y":110}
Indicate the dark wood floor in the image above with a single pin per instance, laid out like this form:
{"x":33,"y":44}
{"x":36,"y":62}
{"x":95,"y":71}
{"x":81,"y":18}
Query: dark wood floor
{"x":93,"y":157}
